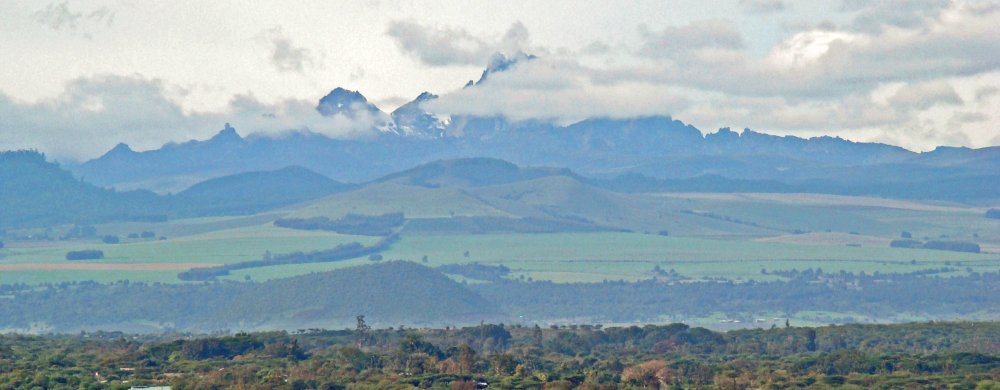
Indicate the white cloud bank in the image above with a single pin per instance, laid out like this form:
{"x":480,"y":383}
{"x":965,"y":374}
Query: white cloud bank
{"x":939,"y":60}
{"x":95,"y":113}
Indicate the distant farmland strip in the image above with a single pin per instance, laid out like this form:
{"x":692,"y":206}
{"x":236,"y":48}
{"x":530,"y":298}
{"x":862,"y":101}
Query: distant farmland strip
{"x":338,"y":253}
{"x":81,"y":266}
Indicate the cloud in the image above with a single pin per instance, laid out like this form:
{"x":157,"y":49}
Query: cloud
{"x":872,"y":85}
{"x":445,"y":46}
{"x":984,"y":93}
{"x":877,"y":15}
{"x":820,"y":63}
{"x":93,"y":114}
{"x":925,"y":95}
{"x":559,"y":91}
{"x":59,"y":17}
{"x":762,"y":6}
{"x":285,"y":56}
{"x":678,"y":42}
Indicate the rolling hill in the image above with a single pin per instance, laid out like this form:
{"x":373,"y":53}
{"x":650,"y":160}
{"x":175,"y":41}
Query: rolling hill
{"x":252,"y":192}
{"x":38,"y":193}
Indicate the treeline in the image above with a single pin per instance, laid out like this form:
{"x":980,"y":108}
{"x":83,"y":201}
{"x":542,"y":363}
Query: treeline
{"x":340,"y":252}
{"x":927,"y":355}
{"x":365,"y":225}
{"x":413,"y":294}
{"x":87,"y":254}
{"x":876,"y":295}
{"x":955,"y":246}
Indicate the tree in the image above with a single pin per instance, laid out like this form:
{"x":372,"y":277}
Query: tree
{"x":537,"y":336}
{"x":362,"y":332}
{"x":110,"y":239}
{"x":993,"y":213}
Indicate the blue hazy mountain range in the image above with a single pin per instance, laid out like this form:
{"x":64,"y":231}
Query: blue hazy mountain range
{"x":637,"y":151}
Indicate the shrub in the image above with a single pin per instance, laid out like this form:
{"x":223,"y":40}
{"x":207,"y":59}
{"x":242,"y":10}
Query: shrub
{"x":993,"y":213}
{"x":89,"y":254}
{"x":957,"y":246}
{"x":109,"y":239}
{"x":906,"y":244}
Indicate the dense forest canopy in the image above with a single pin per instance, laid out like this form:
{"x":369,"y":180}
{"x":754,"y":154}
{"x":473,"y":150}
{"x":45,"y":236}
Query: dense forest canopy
{"x":936,"y":355}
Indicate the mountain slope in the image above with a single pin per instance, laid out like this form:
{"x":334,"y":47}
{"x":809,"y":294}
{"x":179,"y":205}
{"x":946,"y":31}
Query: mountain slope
{"x":251,"y":192}
{"x":659,"y":147}
{"x":390,"y":197}
{"x":34,"y":192}
{"x":470,"y":172}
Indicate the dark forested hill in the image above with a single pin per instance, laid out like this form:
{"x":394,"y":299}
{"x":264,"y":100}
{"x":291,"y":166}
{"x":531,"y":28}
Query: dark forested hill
{"x":388,"y":293}
{"x":34,"y":192}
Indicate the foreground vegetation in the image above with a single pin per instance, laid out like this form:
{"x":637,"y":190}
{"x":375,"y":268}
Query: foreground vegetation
{"x":920,"y":355}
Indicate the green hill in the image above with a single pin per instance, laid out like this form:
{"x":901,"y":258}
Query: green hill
{"x":251,"y":192}
{"x":391,"y":197}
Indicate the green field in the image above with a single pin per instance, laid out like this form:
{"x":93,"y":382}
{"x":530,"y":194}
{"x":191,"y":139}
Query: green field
{"x":733,"y":236}
{"x":216,"y":247}
{"x":569,"y":257}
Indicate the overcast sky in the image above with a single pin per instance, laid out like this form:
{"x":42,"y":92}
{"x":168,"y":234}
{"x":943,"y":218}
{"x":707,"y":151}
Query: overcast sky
{"x":80,"y":76}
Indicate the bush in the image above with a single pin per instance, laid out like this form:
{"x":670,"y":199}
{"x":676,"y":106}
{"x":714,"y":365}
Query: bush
{"x":1,"y":244}
{"x":89,"y":254}
{"x":663,"y":233}
{"x":110,"y":239}
{"x":906,"y":234}
{"x":148,"y":234}
{"x":375,"y":257}
{"x":993,"y":213}
{"x":956,"y":246}
{"x":906,"y":244}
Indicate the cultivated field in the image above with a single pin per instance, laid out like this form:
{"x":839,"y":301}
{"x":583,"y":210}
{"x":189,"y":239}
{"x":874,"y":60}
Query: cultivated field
{"x":733,"y":236}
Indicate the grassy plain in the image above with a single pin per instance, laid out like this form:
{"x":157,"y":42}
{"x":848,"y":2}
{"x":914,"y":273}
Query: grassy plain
{"x":711,"y":235}
{"x":568,"y":257}
{"x":215,"y":247}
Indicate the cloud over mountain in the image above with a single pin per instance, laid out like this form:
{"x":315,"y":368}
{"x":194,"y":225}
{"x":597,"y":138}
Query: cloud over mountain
{"x":443,"y":46}
{"x":93,"y":113}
